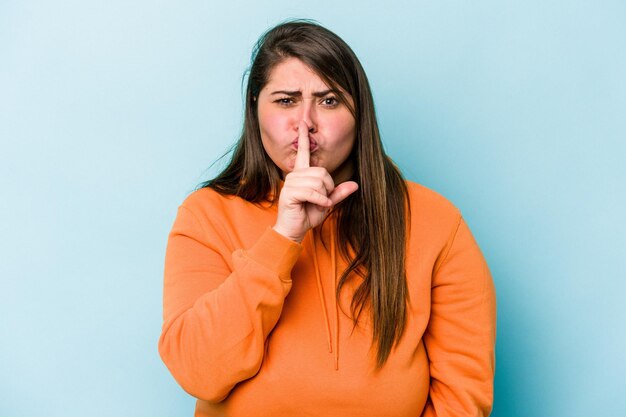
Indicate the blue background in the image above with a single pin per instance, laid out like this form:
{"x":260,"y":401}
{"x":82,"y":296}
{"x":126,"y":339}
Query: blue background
{"x":112,"y":112}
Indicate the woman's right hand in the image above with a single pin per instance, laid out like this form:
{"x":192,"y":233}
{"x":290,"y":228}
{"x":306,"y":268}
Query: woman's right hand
{"x":308,"y":193}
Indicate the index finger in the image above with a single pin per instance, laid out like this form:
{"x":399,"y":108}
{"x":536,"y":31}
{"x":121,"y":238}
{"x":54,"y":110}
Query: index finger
{"x":303,"y":155}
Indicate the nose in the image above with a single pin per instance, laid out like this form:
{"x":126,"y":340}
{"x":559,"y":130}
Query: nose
{"x":309,"y":115}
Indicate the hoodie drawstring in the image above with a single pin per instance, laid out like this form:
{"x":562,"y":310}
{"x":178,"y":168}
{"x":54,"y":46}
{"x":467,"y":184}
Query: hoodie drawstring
{"x":320,"y":290}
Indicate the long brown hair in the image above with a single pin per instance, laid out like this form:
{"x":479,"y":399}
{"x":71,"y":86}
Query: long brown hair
{"x":371,"y":222}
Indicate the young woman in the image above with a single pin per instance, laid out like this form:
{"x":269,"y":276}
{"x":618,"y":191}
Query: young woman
{"x":309,"y":278}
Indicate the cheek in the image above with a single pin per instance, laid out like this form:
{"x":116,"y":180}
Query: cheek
{"x":343,"y":130}
{"x":273,"y":125}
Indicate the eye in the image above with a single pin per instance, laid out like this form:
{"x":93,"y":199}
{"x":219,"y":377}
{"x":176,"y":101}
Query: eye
{"x":330,"y":101}
{"x":284,"y":101}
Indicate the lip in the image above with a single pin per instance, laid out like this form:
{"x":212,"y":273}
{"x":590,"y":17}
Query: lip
{"x":312,"y":145}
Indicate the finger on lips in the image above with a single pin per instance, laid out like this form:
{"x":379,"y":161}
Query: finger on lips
{"x":303,"y":154}
{"x":313,"y":184}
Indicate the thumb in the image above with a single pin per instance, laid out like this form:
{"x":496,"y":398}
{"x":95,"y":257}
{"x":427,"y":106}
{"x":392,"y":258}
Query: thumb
{"x":342,"y":191}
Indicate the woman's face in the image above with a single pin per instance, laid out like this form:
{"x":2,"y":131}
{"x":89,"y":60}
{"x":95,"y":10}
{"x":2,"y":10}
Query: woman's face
{"x":294,"y":93}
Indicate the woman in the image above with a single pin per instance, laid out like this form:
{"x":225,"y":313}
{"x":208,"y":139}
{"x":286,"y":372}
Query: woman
{"x":310,"y":279}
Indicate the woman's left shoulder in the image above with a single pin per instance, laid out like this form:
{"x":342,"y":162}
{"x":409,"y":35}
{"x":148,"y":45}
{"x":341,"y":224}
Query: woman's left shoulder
{"x":427,"y":202}
{"x":432,"y":216}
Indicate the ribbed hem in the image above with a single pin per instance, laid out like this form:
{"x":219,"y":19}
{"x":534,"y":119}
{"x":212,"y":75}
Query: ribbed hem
{"x":275,"y":252}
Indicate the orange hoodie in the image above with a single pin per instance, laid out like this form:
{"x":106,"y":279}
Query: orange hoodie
{"x":252,"y":327}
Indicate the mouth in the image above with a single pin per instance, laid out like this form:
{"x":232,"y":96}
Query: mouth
{"x":312,"y":145}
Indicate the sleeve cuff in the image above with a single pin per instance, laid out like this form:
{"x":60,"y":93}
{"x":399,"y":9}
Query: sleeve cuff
{"x":276,"y":253}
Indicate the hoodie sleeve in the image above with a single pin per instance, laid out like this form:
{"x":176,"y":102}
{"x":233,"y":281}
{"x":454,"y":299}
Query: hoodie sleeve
{"x":460,"y":338}
{"x":219,"y":306}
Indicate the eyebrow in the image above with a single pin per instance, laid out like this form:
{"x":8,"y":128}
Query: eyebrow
{"x":299,"y":93}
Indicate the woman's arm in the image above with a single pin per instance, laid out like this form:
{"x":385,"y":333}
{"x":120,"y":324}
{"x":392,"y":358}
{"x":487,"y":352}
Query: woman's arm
{"x":460,"y":338}
{"x":217,"y":311}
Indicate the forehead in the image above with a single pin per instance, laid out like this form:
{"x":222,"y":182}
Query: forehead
{"x":293,"y":72}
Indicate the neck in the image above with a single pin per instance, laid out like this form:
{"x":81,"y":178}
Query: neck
{"x":344,"y":172}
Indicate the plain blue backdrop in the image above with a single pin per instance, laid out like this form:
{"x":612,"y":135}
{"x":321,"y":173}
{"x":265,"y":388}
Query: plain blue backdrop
{"x":112,"y":112}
